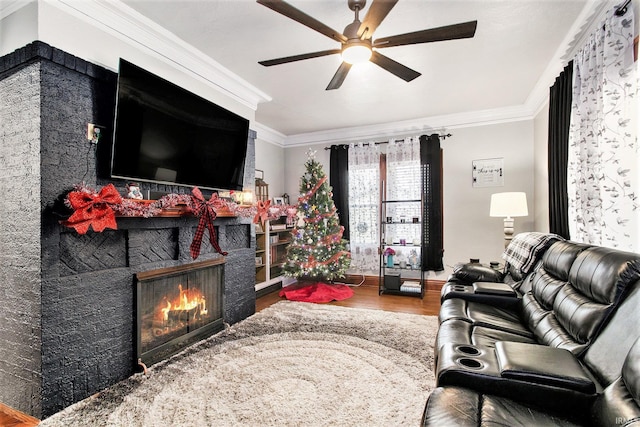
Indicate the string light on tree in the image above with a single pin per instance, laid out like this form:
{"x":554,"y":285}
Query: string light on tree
{"x":317,"y":249}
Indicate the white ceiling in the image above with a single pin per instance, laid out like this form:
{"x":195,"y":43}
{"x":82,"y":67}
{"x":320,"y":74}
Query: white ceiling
{"x":499,"y":68}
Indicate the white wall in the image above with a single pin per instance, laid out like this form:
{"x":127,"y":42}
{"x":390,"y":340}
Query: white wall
{"x":541,"y":170}
{"x":294,"y":160}
{"x":18,"y":28}
{"x":270,"y":159}
{"x":469,"y":231}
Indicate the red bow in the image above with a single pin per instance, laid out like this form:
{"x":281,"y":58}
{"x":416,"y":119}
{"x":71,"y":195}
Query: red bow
{"x":263,"y":212}
{"x":93,"y":209}
{"x":205,"y":210}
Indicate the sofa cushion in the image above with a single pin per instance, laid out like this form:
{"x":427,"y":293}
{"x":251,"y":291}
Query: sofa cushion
{"x":548,"y":331}
{"x":455,"y":406}
{"x":462,"y":332}
{"x":545,"y":287}
{"x":578,"y":315}
{"x":599,"y":278}
{"x":504,"y":319}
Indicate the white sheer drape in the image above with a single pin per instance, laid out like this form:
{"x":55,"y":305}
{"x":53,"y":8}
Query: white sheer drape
{"x":364,"y":204}
{"x":604,"y":158}
{"x":403,"y":183}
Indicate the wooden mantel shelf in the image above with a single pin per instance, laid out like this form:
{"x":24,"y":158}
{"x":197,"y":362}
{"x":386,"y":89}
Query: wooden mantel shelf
{"x":179,"y":211}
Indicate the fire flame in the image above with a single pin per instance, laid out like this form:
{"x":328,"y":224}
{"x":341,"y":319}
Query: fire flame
{"x":190,"y":300}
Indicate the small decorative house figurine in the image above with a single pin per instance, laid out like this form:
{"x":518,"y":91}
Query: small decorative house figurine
{"x":133,"y":191}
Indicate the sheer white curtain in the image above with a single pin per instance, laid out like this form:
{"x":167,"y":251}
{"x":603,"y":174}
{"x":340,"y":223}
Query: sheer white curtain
{"x":602,"y":175}
{"x":364,"y":205}
{"x":403,"y":183}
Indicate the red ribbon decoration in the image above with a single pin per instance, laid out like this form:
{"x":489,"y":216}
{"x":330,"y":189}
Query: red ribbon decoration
{"x":93,"y":209}
{"x":205,"y":210}
{"x":263,"y":212}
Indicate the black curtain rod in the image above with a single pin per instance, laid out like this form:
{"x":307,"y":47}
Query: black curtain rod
{"x":345,"y":146}
{"x":623,"y":9}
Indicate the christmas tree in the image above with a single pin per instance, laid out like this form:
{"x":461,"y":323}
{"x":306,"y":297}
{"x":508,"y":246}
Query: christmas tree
{"x":317,"y":249}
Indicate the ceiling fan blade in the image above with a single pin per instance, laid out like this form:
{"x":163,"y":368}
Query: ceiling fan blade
{"x":295,"y":58}
{"x":405,"y":73}
{"x":289,"y":11}
{"x":464,"y":30}
{"x":339,"y":76}
{"x":376,"y":13}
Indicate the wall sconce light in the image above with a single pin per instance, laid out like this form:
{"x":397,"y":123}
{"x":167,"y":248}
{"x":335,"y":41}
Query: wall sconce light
{"x":508,"y":205}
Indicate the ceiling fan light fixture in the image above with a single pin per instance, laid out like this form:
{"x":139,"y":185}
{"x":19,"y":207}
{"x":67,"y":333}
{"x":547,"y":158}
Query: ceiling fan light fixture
{"x":356,"y":53}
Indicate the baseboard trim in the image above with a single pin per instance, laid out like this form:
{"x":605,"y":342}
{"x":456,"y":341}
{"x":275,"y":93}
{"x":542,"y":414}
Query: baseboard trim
{"x":271,"y":288}
{"x":354,"y":279}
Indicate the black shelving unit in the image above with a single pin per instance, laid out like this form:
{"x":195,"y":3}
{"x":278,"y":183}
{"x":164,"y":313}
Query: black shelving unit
{"x":394,"y":277}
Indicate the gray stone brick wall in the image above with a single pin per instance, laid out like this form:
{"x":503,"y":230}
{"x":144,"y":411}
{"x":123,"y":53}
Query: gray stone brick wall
{"x":20,"y":238}
{"x":74,"y":321}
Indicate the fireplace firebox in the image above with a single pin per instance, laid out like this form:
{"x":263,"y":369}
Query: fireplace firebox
{"x":177,"y":306}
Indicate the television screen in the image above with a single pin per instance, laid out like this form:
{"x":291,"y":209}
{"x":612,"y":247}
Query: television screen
{"x":166,"y":134}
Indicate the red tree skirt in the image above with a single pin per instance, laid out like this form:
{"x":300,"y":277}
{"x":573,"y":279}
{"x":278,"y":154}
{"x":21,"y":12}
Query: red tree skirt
{"x":316,"y":292}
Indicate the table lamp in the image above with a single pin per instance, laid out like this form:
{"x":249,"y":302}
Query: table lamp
{"x":508,"y":205}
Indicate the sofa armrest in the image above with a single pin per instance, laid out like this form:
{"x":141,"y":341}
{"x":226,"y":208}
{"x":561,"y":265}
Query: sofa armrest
{"x":494,"y":288}
{"x":502,"y":296}
{"x":468,"y":273}
{"x":477,"y":368}
{"x":542,"y":365}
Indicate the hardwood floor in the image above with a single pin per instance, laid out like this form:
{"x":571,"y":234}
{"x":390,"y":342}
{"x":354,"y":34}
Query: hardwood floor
{"x":9,"y":417}
{"x":365,"y":296}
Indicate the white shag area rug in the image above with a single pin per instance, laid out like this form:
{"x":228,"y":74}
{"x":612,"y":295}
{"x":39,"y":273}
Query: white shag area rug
{"x":292,"y":364}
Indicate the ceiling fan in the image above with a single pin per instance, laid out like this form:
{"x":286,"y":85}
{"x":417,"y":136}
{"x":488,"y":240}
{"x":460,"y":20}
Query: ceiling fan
{"x":356,"y":40}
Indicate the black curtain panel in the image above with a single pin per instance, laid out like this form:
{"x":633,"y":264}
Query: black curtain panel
{"x":339,"y":181}
{"x":432,"y":212}
{"x":558,"y":151}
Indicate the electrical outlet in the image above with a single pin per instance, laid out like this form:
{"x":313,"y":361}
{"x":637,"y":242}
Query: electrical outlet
{"x":94,"y":133}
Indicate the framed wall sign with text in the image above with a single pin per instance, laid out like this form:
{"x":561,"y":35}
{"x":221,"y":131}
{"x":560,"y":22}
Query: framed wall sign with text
{"x":488,"y":172}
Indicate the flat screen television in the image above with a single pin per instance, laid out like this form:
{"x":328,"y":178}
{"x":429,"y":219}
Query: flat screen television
{"x":166,"y":134}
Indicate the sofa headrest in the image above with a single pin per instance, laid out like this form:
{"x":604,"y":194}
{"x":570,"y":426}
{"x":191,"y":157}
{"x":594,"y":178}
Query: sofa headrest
{"x":603,"y":274}
{"x":559,"y":258}
{"x":631,"y":372}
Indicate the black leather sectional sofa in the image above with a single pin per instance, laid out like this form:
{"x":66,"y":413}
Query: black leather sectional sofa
{"x":554,"y":341}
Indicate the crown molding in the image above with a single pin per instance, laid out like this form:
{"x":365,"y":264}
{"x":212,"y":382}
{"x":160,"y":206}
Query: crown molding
{"x":7,"y":7}
{"x":437,"y":124}
{"x":133,"y":28}
{"x":266,"y":134}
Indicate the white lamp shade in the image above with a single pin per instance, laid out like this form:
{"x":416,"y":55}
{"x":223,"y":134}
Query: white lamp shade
{"x":509,"y":204}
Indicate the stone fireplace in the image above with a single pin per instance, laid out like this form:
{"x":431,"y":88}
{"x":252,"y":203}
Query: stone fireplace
{"x":69,"y":301}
